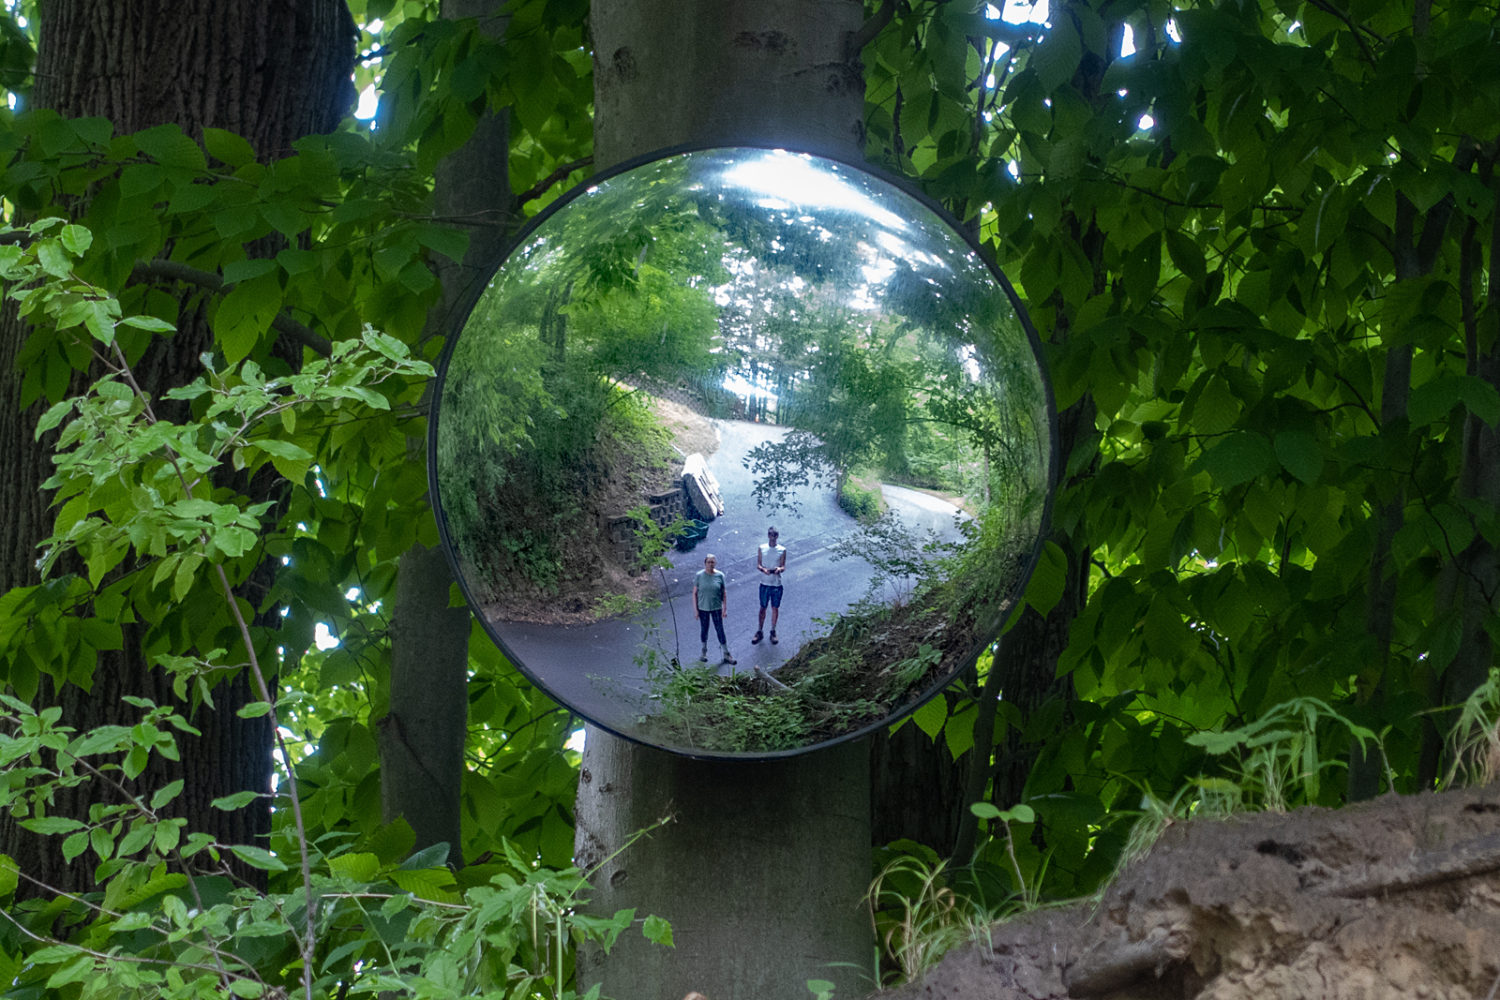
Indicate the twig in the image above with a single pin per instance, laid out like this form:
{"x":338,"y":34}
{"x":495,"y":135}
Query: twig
{"x":867,"y":31}
{"x":171,"y":270}
{"x":117,"y":956}
{"x":1354,"y":29}
{"x":309,"y":943}
{"x":395,"y":895}
{"x":542,"y":186}
{"x":775,"y":685}
{"x":1478,"y":856}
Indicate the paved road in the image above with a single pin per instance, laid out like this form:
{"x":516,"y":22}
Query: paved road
{"x":598,"y":669}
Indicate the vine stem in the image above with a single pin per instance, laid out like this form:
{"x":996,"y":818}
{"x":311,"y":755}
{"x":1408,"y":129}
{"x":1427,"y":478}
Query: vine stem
{"x":309,"y":942}
{"x":263,"y":691}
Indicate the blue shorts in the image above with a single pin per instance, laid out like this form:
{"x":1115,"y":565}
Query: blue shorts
{"x":770,"y":595}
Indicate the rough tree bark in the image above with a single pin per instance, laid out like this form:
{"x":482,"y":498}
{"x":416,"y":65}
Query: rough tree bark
{"x":763,"y":868}
{"x":271,"y":72}
{"x":422,"y":737}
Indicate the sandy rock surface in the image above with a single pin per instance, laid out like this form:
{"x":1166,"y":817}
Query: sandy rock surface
{"x":1396,"y":898}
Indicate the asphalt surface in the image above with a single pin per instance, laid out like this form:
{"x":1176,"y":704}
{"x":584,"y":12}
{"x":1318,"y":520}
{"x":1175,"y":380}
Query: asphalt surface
{"x":599,"y":670}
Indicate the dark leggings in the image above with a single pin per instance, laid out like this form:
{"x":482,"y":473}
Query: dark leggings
{"x":718,"y":617}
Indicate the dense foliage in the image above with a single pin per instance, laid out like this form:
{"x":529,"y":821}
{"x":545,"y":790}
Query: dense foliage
{"x":1257,"y":237}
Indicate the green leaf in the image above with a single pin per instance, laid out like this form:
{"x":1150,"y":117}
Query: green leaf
{"x":1020,"y":813}
{"x":427,"y":857}
{"x":227,"y":148}
{"x":195,"y":507}
{"x":148,"y":323}
{"x":166,"y":836}
{"x":253,"y":710}
{"x":103,"y":842}
{"x":136,"y":839}
{"x":54,"y":259}
{"x":282,"y":449}
{"x":166,"y":794}
{"x":251,"y":267}
{"x":10,"y":876}
{"x":1187,"y":255}
{"x":238,"y":800}
{"x":1048,"y":579}
{"x":234,"y":540}
{"x":436,"y":884}
{"x":77,"y":971}
{"x":1057,"y":55}
{"x":51,"y":825}
{"x":657,"y":930}
{"x":170,"y":147}
{"x":54,"y":416}
{"x":958,"y":731}
{"x":1433,"y":400}
{"x":985,"y":810}
{"x":931,"y":715}
{"x":451,"y":243}
{"x":99,"y":317}
{"x":1300,"y":455}
{"x":77,"y":239}
{"x":257,"y":857}
{"x":185,"y":576}
{"x":358,"y":867}
{"x":75,"y":844}
{"x":245,"y":314}
{"x":1237,"y":458}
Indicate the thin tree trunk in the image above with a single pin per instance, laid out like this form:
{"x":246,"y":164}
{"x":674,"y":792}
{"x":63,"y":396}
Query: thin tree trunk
{"x":1025,"y":669}
{"x":1470,"y":589}
{"x":1414,"y":257}
{"x":422,"y":737}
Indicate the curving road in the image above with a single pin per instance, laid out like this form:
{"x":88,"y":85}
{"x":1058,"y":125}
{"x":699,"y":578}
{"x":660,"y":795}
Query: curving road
{"x":598,"y":670}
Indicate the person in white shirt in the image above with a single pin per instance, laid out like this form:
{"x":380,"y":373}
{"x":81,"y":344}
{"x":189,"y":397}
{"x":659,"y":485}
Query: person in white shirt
{"x":770,"y":559}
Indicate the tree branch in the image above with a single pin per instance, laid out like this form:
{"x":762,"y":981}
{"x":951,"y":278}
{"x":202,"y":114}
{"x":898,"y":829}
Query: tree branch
{"x":171,"y":270}
{"x":867,"y":31}
{"x":542,"y":186}
{"x":1354,"y":29}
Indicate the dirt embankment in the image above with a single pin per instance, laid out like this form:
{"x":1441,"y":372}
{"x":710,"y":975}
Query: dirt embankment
{"x":599,"y":573}
{"x":690,"y":430}
{"x":1395,"y":898}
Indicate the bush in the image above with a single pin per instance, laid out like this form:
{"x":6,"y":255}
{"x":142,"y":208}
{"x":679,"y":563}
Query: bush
{"x":860,"y":500}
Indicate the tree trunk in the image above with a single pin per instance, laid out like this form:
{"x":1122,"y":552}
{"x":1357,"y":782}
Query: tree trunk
{"x":422,"y":737}
{"x":763,"y":868}
{"x":739,"y":72}
{"x":271,"y":72}
{"x":917,"y":789}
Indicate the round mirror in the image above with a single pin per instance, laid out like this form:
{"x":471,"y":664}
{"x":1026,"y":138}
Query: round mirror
{"x":742,"y":452}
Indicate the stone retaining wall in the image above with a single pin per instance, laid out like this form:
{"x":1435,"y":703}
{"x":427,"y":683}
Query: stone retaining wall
{"x":665,"y":508}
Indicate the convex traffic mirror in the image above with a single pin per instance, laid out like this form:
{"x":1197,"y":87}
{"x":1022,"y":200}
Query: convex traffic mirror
{"x":742,"y":452}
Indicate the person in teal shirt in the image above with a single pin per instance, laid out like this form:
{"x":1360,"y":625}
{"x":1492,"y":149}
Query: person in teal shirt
{"x":710,"y":598}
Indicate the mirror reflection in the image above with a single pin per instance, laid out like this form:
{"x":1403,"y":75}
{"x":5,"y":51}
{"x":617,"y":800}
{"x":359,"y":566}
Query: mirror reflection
{"x":742,"y":451}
